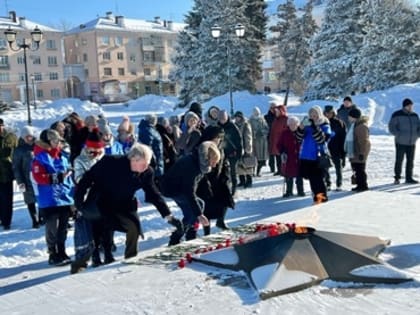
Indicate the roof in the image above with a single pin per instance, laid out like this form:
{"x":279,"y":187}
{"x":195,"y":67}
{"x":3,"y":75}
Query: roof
{"x":23,"y":24}
{"x":120,"y":23}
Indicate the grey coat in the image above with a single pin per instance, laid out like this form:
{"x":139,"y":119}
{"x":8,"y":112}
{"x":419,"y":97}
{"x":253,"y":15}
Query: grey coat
{"x":22,"y":162}
{"x":260,"y":132}
{"x":245,"y":130}
{"x":405,"y":126}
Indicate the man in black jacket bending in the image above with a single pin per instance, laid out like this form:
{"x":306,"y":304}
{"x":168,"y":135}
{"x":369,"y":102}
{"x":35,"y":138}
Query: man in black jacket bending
{"x":116,"y":179}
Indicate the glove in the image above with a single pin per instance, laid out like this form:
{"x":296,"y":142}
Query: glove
{"x":360,"y":157}
{"x":177,"y":224}
{"x":56,"y":178}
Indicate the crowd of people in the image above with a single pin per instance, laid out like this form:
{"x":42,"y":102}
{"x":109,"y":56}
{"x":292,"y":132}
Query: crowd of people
{"x":79,"y":169}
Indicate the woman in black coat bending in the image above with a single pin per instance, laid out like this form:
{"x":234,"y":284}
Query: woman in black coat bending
{"x":116,"y":179}
{"x":181,"y":182}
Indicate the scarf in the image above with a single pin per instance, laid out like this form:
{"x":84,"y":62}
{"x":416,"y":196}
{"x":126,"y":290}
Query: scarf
{"x":349,"y":142}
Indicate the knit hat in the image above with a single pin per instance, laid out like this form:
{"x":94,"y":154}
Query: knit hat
{"x":1,"y":122}
{"x":196,"y":108}
{"x":211,"y":132}
{"x":125,"y":124}
{"x":94,"y":140}
{"x":163,"y":121}
{"x":407,"y":102}
{"x":27,"y":131}
{"x":347,"y":98}
{"x":355,"y":113}
{"x":105,"y":130}
{"x":328,"y":109}
{"x":239,"y":114}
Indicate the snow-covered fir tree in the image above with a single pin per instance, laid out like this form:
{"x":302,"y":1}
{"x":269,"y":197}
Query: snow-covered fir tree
{"x":335,"y":50}
{"x":388,"y":55}
{"x":206,"y":59}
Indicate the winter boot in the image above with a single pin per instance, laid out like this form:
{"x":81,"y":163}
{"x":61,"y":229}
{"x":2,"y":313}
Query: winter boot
{"x":190,"y":233}
{"x":220,"y":222}
{"x":241,"y":181}
{"x":109,"y":258}
{"x":61,"y":252}
{"x":53,"y":259}
{"x":77,"y":266}
{"x":175,"y":238}
{"x":289,"y":187}
{"x":177,"y":224}
{"x":259,"y":167}
{"x":96,"y":258}
{"x":34,"y":216}
{"x":248,"y":181}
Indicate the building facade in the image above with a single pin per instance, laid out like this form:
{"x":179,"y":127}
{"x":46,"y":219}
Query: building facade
{"x":44,"y":65}
{"x":121,"y":58}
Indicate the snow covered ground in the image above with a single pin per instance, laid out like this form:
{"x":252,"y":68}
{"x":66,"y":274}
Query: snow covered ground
{"x":28,"y":285}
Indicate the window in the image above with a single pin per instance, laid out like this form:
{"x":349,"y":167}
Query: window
{"x":107,"y":71}
{"x":121,"y":71}
{"x":147,"y":71}
{"x":84,"y":41}
{"x":4,"y":77}
{"x":55,"y":93}
{"x":3,"y":44}
{"x":53,"y":76}
{"x":36,"y":60}
{"x":148,"y":56}
{"x":148,"y":89}
{"x":133,"y":72}
{"x":133,"y":58}
{"x":39,"y":93}
{"x":120,"y":56}
{"x":106,"y":55}
{"x":21,"y":77}
{"x":118,"y":41}
{"x":52,"y":60}
{"x":4,"y":61}
{"x":85,"y":57}
{"x":20,"y":60}
{"x":105,"y":40}
{"x":37,"y":76}
{"x":51,"y":44}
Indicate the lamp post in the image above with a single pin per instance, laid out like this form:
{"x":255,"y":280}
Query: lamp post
{"x":216,"y":31}
{"x":36,"y":36}
{"x":33,"y":89}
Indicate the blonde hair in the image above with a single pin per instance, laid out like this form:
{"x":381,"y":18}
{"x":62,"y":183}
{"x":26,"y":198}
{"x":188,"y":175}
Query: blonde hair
{"x":140,"y":150}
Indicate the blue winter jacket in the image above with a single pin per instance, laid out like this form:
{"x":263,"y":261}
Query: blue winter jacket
{"x":314,"y":141}
{"x":59,"y":194}
{"x":148,"y":135}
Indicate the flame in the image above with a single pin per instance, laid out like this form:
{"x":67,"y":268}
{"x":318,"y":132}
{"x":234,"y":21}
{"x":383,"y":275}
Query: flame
{"x":320,"y":197}
{"x":301,"y":230}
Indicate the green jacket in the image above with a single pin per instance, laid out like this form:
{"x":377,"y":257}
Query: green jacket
{"x":8,"y":142}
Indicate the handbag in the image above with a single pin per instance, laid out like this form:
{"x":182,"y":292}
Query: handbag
{"x":324,"y":161}
{"x":89,"y":208}
{"x":249,"y":161}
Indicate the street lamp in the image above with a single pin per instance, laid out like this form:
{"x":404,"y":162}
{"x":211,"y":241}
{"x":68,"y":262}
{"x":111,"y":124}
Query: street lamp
{"x":216,"y":31}
{"x":36,"y":36}
{"x":33,"y":89}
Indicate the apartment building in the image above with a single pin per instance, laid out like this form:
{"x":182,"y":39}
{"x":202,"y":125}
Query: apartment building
{"x":120,"y":58}
{"x":44,"y":65}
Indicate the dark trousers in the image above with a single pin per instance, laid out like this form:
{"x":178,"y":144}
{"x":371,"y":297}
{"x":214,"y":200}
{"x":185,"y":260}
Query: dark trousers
{"x":233,"y":162}
{"x":132,"y":233}
{"x":408,"y":151}
{"x":6,"y":203}
{"x":338,"y":165}
{"x":272,"y":163}
{"x":56,"y":220}
{"x":359,"y":170}
{"x":310,"y":169}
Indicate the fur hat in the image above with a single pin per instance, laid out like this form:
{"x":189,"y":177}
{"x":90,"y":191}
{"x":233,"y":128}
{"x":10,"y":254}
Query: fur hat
{"x":27,"y":131}
{"x":355,"y":113}
{"x":189,"y":115}
{"x":94,"y":140}
{"x":151,"y":119}
{"x":407,"y":102}
{"x":50,"y":135}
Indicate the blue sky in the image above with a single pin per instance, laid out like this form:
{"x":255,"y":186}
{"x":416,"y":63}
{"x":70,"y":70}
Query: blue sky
{"x":75,"y":12}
